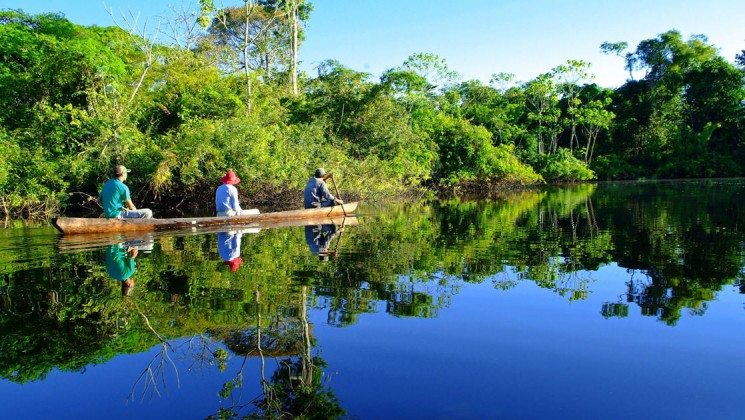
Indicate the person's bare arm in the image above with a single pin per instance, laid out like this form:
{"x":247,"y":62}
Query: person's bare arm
{"x":130,"y":205}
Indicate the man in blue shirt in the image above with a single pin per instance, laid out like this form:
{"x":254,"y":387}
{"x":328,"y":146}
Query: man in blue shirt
{"x":317,"y":193}
{"x":115,"y":199}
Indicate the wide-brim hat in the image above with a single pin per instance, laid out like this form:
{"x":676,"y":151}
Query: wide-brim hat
{"x":230,"y":178}
{"x":234,"y":263}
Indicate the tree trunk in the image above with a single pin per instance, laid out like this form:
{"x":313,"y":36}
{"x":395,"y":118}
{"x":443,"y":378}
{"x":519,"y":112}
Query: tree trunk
{"x":247,"y":71}
{"x":293,"y":70}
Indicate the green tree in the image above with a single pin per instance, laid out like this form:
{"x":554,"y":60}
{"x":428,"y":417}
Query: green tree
{"x":542,"y":100}
{"x":617,"y":48}
{"x":295,"y":12}
{"x":466,"y":154}
{"x":248,"y":37}
{"x":499,"y":111}
{"x":571,"y":79}
{"x":592,"y":118}
{"x":653,"y":114}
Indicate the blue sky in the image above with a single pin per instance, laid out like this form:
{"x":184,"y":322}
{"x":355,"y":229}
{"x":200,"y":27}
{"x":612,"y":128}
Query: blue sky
{"x":477,"y":38}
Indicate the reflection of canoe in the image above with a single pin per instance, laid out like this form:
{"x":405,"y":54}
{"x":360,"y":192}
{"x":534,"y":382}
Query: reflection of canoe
{"x":70,"y":225}
{"x":81,"y":242}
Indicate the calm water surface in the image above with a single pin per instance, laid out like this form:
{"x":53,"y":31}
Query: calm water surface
{"x":594,"y":301}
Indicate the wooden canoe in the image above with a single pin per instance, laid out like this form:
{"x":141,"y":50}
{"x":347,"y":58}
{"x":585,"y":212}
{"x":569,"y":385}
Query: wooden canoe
{"x":74,"y":225}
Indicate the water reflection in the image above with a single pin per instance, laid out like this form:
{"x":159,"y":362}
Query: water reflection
{"x":120,"y":264}
{"x":622,"y":256}
{"x":320,"y":239}
{"x":229,"y":246}
{"x":296,"y":387}
{"x":120,"y":261}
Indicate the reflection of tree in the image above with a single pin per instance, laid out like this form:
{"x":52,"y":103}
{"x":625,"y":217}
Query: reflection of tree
{"x":419,"y":298}
{"x":666,"y":301}
{"x":60,"y":312}
{"x":296,"y":388}
{"x":686,"y":245}
{"x":56,"y":318}
{"x":155,"y":371}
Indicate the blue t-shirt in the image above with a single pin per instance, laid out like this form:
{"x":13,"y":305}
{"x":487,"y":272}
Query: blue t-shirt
{"x":113,"y":196}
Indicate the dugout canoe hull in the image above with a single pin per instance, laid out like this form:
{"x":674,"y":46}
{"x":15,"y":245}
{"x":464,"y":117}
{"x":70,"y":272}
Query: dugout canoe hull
{"x":75,"y":225}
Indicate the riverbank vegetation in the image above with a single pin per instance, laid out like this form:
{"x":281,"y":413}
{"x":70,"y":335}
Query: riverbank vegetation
{"x":221,"y":90}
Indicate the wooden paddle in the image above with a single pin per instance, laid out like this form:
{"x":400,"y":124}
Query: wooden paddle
{"x":331,"y":175}
{"x":341,"y":229}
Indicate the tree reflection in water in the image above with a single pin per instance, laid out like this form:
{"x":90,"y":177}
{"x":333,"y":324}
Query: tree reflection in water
{"x":296,"y":387}
{"x":155,"y":371}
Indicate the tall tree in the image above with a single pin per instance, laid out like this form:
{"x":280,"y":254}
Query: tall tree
{"x":571,"y":78}
{"x":293,"y":6}
{"x":292,"y":14}
{"x":542,"y":98}
{"x":242,"y":32}
{"x":658,"y":111}
{"x":617,"y":48}
{"x":433,"y":69}
{"x":592,"y":118}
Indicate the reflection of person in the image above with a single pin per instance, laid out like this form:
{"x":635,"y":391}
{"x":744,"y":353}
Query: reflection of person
{"x":319,"y":238}
{"x":116,"y":201}
{"x":317,"y":193}
{"x":120,"y":265}
{"x":226,"y":197}
{"x":229,"y":247}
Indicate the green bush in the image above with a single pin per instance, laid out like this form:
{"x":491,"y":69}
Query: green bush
{"x":562,"y":166}
{"x":613,"y":167}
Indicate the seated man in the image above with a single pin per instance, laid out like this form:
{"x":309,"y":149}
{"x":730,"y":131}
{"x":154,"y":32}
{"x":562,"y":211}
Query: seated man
{"x":226,"y":198}
{"x":317,"y":193}
{"x":115,"y":199}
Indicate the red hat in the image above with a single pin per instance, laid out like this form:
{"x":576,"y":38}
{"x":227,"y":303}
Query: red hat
{"x":234,"y":263}
{"x":230,"y":178}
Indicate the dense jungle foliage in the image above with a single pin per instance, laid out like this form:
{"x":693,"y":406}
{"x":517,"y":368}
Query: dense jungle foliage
{"x":222,"y":91}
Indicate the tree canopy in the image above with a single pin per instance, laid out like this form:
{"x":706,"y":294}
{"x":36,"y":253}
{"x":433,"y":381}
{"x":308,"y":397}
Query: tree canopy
{"x":75,"y":101}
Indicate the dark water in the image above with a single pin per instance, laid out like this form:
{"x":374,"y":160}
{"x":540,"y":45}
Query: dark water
{"x":608,"y":301}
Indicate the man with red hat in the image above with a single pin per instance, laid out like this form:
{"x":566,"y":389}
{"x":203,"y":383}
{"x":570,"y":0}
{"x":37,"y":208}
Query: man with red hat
{"x":226,"y":197}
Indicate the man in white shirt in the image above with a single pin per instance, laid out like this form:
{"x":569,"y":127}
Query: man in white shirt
{"x":226,"y":197}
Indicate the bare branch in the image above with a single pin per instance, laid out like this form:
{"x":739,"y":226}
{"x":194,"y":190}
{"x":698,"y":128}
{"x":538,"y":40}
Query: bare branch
{"x":142,"y":41}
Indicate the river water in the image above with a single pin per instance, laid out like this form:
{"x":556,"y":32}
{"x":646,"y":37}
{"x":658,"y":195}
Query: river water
{"x":615,"y":300}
